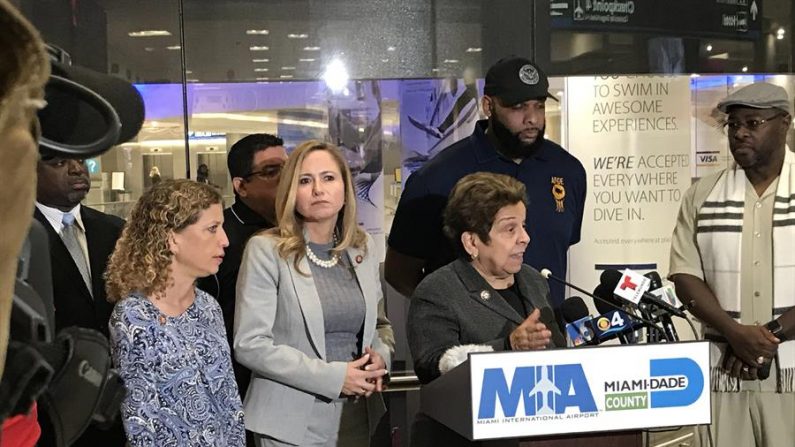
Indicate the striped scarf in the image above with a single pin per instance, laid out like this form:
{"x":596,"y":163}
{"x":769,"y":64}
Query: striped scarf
{"x":719,"y":239}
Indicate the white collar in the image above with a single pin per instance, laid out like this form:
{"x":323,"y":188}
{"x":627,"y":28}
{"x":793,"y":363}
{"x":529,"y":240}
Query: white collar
{"x":55,"y":216}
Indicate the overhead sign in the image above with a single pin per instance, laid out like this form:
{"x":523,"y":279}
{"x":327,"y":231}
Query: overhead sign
{"x":727,"y":18}
{"x":589,"y":389}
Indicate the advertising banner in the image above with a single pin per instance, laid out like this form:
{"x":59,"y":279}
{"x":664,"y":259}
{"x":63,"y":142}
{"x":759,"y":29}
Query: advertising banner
{"x":632,"y":134}
{"x":589,"y":389}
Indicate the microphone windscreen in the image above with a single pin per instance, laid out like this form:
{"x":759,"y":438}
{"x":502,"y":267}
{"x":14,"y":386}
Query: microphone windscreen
{"x":574,"y":309}
{"x":606,"y":294}
{"x":656,"y":280}
{"x":610,"y":278}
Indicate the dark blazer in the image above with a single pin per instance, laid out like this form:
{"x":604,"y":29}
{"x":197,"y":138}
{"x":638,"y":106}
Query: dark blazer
{"x":74,"y":306}
{"x":456,"y":306}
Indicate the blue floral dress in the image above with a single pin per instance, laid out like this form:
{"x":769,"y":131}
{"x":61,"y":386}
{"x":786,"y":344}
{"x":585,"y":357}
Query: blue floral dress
{"x":178,"y":372}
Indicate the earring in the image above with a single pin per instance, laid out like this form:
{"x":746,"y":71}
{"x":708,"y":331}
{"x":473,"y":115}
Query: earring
{"x":474,"y":256}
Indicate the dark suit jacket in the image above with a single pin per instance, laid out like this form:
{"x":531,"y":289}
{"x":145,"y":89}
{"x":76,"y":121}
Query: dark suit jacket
{"x":74,"y":306}
{"x":449,"y":308}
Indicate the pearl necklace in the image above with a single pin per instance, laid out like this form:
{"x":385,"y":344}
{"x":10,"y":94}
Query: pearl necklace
{"x":326,"y":264}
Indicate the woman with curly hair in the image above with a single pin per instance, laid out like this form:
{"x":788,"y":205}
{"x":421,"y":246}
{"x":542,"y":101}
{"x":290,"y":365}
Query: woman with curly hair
{"x":167,"y":336}
{"x":307,"y":298}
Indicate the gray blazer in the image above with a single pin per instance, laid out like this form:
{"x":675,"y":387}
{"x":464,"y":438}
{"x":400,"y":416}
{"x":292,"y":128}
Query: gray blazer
{"x":455,"y":306}
{"x":279,"y":334}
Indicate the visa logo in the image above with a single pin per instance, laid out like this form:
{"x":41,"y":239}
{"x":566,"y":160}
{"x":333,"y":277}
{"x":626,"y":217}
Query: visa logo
{"x":707,"y":158}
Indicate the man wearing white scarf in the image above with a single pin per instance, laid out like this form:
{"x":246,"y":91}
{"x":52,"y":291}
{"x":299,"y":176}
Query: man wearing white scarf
{"x":733,"y":262}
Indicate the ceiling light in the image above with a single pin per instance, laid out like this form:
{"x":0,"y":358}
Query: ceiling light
{"x":188,"y":72}
{"x":311,"y":48}
{"x":451,"y":61}
{"x":434,"y":69}
{"x":260,"y":60}
{"x":149,"y":49}
{"x":695,"y":75}
{"x":259,"y":48}
{"x":390,"y":48}
{"x":336,"y":76}
{"x":257,"y":32}
{"x":780,"y":33}
{"x":262,"y":79}
{"x":384,"y":60}
{"x":286,"y":76}
{"x":474,"y":50}
{"x":260,"y":70}
{"x":306,"y":60}
{"x":709,"y":47}
{"x":174,"y":47}
{"x":745,"y":69}
{"x":297,"y":36}
{"x":149,"y":33}
{"x":192,"y":80}
{"x":288,"y":68}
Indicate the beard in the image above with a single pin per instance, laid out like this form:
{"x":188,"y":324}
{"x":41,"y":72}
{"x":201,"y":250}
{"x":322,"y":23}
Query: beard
{"x":510,"y":144}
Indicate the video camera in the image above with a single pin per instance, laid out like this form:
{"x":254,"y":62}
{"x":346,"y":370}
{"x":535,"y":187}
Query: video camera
{"x":68,"y":373}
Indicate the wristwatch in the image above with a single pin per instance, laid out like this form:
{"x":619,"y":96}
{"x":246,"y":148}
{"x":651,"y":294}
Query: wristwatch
{"x":775,"y":328}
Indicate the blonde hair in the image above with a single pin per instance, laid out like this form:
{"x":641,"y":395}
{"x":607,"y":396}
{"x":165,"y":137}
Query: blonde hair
{"x":142,"y":258}
{"x":289,"y":232}
{"x":26,"y":68}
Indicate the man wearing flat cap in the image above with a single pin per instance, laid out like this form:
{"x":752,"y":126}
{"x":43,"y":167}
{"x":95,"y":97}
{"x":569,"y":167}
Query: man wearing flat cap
{"x":733,"y":260}
{"x":511,"y":142}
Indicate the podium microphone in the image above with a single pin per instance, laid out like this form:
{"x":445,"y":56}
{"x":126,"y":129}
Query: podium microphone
{"x":578,"y":321}
{"x":665,"y":319}
{"x":610,"y":278}
{"x":546,"y":273}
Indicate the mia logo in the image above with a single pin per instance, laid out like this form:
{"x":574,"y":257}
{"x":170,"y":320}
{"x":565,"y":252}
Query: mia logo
{"x":544,"y":390}
{"x":528,"y":74}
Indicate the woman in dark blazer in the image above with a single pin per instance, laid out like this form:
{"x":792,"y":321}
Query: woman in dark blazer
{"x":487,"y":299}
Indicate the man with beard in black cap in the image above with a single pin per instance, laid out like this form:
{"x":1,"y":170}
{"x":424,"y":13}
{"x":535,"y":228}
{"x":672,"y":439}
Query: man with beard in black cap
{"x":511,"y":141}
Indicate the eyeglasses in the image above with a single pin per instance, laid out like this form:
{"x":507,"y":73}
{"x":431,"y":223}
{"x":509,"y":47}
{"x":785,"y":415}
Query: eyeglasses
{"x":750,"y":124}
{"x":267,"y":172}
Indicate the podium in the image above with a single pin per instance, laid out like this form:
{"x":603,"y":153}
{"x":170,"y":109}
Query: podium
{"x":569,"y":397}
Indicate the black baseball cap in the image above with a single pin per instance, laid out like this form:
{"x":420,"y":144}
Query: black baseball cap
{"x":516,"y":79}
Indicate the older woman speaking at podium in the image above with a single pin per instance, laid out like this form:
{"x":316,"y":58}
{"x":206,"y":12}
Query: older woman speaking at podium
{"x":485,"y":300}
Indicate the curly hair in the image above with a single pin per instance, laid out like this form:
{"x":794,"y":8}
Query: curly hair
{"x":142,"y":259}
{"x":474,"y":202}
{"x":290,"y":232}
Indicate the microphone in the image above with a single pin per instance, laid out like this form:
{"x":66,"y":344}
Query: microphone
{"x":656,"y":284}
{"x":578,"y":327}
{"x":615,"y":323}
{"x":612,"y":278}
{"x":607,"y":295}
{"x":655,"y":281}
{"x":546,"y":273}
{"x":586,"y":330}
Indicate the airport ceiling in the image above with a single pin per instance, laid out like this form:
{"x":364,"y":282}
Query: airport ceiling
{"x":247,"y":40}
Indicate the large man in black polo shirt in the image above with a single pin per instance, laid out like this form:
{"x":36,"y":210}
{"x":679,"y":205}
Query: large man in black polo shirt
{"x":511,"y":141}
{"x":254,"y":164}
